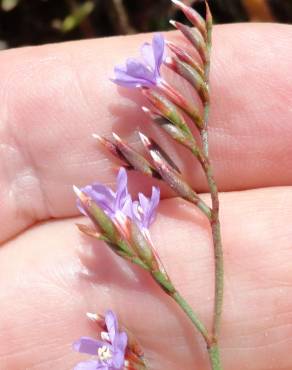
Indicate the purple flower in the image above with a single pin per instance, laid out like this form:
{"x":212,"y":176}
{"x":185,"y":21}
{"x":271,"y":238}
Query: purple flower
{"x":145,"y":72}
{"x":110,"y":351}
{"x":144,"y":209}
{"x":119,"y":205}
{"x":112,"y":203}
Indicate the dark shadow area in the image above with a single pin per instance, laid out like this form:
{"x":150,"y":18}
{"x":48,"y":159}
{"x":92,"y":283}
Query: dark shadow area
{"x":37,"y":22}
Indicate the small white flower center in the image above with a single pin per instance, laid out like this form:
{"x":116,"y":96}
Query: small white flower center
{"x":104,"y":353}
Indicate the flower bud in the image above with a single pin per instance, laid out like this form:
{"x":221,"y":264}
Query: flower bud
{"x":183,"y":56}
{"x":133,"y":158}
{"x":179,"y":100}
{"x":191,"y":75}
{"x":151,"y":145}
{"x":193,"y":16}
{"x":167,"y":109}
{"x":194,"y":36}
{"x":142,"y":247}
{"x":169,"y":173}
{"x":90,"y":231}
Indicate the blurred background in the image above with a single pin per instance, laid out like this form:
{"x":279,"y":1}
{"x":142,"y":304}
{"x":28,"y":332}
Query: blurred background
{"x":34,"y":22}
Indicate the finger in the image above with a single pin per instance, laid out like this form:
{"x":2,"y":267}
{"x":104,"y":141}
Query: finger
{"x":44,"y":298}
{"x":53,"y":97}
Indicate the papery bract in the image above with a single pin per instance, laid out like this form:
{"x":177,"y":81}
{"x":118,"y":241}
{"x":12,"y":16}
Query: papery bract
{"x":144,"y":72}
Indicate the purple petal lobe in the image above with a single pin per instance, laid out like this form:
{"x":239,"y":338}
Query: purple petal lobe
{"x":110,"y":354}
{"x":87,"y":365}
{"x":88,"y":345}
{"x":147,"y":55}
{"x":158,"y":50}
{"x":144,"y":210}
{"x":145,"y":72}
{"x":121,"y":341}
{"x":112,"y":203}
{"x":111,"y":324}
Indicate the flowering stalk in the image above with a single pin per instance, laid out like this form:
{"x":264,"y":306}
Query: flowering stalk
{"x":123,"y":224}
{"x":216,"y":230}
{"x":167,"y":103}
{"x":208,"y":170}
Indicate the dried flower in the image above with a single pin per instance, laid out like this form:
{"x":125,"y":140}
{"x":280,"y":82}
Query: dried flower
{"x":110,"y":351}
{"x":145,"y":72}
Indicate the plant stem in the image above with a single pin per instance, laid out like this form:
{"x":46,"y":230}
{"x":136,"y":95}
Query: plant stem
{"x":215,"y":358}
{"x":218,"y":251}
{"x":164,"y":282}
{"x":192,"y":316}
{"x":215,"y":223}
{"x":213,"y":349}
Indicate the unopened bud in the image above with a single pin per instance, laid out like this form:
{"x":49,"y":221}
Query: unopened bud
{"x":110,"y":146}
{"x":174,"y":179}
{"x":183,"y":56}
{"x":134,"y":158}
{"x":194,"y":36}
{"x":179,"y":100}
{"x":191,"y":75}
{"x":167,"y":109}
{"x":90,"y":231}
{"x":152,"y":146}
{"x":142,"y":247}
{"x":193,"y":16}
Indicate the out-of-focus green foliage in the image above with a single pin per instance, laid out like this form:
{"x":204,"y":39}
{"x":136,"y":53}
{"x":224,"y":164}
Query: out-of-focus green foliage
{"x":74,"y":19}
{"x":8,"y":5}
{"x":33,"y":22}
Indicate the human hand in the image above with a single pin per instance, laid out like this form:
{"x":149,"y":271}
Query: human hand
{"x":52,"y":99}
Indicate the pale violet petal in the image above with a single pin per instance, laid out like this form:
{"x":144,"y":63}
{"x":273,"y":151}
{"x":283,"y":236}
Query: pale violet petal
{"x":88,"y":345}
{"x":158,"y":44}
{"x":148,"y":56}
{"x":111,"y":324}
{"x":87,"y":365}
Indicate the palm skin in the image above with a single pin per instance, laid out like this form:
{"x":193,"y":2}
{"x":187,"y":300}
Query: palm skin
{"x":52,"y":99}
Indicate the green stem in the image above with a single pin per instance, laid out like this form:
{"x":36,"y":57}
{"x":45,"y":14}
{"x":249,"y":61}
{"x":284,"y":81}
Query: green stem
{"x":191,"y":315}
{"x":216,"y":235}
{"x":218,"y":250}
{"x":167,"y":286}
{"x":204,"y":131}
{"x":213,"y":349}
{"x":215,"y":223}
{"x":204,"y":208}
{"x":214,"y":357}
